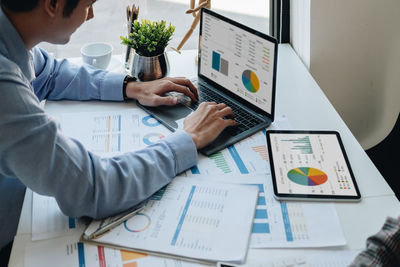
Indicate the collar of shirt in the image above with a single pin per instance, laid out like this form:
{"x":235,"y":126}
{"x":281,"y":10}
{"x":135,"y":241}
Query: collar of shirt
{"x":13,"y":47}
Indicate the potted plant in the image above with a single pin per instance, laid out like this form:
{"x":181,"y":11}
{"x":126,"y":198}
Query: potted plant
{"x":149,"y":40}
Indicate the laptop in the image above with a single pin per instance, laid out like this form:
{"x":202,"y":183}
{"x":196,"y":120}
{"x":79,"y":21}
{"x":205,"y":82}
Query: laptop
{"x":237,"y":66}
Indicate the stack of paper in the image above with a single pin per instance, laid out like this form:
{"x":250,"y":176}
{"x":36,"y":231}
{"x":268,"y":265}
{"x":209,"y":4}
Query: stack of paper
{"x":287,"y":224}
{"x":49,"y":222}
{"x":196,"y":219}
{"x":67,"y":252}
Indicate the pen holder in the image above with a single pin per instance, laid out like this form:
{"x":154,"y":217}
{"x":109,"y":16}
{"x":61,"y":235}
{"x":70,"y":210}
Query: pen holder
{"x":128,"y":58}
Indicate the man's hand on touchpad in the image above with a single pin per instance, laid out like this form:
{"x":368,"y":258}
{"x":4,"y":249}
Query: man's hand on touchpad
{"x":182,"y":98}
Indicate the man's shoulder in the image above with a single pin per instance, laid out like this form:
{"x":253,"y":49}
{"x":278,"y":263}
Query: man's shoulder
{"x":9,"y":68}
{"x":13,"y":83}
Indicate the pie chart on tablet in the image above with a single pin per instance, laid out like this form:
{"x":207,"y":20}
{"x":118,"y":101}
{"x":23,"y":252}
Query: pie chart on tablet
{"x":307,"y":176}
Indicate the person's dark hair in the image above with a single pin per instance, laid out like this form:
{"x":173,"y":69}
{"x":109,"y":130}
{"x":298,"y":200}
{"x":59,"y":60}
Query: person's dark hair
{"x":28,"y":5}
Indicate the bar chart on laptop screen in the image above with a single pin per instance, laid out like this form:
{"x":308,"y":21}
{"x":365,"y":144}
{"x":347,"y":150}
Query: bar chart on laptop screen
{"x":238,"y":60}
{"x":310,"y":164}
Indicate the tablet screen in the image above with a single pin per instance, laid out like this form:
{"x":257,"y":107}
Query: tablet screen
{"x":310,"y":164}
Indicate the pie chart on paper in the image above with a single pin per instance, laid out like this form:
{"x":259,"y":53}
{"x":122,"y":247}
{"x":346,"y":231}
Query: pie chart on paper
{"x":307,"y":176}
{"x":250,"y":81}
{"x":152,"y":138}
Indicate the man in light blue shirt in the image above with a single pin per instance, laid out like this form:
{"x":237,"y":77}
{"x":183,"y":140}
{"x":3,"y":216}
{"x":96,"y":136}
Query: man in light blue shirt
{"x":33,"y":150}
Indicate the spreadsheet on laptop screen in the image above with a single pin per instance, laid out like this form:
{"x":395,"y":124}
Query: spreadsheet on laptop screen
{"x":238,"y":60}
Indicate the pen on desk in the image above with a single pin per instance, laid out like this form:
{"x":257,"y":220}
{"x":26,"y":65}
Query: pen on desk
{"x":103,"y":230}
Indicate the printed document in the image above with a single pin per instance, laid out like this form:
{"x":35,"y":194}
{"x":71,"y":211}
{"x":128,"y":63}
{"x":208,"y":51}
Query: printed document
{"x":192,"y":219}
{"x":287,"y":224}
{"x":112,"y":133}
{"x":68,"y":252}
{"x":302,"y":258}
{"x":247,"y":156}
{"x":49,"y":222}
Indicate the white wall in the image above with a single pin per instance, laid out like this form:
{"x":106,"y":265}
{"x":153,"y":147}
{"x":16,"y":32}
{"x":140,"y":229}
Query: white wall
{"x":300,"y":29}
{"x":355,"y":58}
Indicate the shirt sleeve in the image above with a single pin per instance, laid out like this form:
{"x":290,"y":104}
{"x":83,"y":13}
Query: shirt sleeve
{"x":33,"y":149}
{"x":60,"y":79}
{"x":383,"y":248}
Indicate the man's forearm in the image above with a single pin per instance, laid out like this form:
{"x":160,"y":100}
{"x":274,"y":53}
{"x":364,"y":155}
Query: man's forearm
{"x":383,"y":248}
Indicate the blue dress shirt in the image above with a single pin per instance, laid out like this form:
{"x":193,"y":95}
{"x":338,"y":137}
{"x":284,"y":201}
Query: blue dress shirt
{"x":34,"y":151}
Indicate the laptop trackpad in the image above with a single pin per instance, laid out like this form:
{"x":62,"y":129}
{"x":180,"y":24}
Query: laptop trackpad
{"x":171,"y":115}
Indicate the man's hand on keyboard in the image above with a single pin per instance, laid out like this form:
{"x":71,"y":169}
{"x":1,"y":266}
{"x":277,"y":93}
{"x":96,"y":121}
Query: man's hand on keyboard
{"x":152,"y":93}
{"x":207,"y":122}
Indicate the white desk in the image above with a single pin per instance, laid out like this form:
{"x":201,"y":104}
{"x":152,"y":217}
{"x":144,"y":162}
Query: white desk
{"x":295,"y":87}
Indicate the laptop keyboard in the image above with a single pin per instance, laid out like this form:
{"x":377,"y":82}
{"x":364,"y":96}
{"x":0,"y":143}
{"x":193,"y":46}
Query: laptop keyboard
{"x":243,"y":117}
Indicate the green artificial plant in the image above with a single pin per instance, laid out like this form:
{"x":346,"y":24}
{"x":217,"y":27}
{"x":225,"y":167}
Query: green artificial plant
{"x":149,"y":38}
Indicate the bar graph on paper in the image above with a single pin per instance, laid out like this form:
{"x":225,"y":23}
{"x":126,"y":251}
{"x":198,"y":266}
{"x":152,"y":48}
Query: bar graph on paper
{"x":291,"y":224}
{"x":247,"y":156}
{"x":279,"y":222}
{"x":220,"y":162}
{"x":287,"y":224}
{"x":113,"y":133}
{"x":244,"y":157}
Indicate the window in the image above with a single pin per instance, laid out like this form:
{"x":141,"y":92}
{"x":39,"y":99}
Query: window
{"x":109,"y":22}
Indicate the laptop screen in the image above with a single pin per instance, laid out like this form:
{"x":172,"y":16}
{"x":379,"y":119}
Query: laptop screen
{"x":239,"y":59}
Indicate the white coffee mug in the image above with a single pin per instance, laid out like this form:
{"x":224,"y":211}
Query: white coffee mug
{"x":97,"y":54}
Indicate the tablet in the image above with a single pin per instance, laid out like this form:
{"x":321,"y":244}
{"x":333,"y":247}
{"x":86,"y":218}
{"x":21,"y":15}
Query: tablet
{"x":310,"y":165}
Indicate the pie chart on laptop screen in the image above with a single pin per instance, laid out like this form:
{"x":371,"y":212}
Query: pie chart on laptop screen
{"x":307,"y":176}
{"x":250,"y":81}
